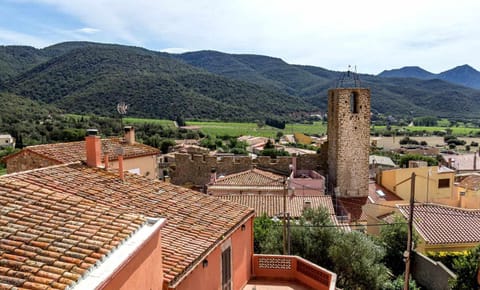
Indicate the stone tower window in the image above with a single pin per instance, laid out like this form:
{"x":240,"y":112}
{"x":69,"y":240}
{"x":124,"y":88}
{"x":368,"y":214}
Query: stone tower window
{"x":354,"y":104}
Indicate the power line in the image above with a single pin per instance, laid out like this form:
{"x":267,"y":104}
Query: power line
{"x":422,"y":208}
{"x":341,"y":225}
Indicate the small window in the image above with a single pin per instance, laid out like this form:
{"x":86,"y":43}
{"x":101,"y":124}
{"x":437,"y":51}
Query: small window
{"x":354,"y":102}
{"x":443,"y":183}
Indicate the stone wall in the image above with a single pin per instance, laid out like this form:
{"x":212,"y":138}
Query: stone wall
{"x":348,"y":140}
{"x":196,"y":169}
{"x":26,"y":160}
{"x":431,"y":275}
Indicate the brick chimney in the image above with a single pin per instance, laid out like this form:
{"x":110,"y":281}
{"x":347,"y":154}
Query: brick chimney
{"x":93,"y":148}
{"x":129,"y":135}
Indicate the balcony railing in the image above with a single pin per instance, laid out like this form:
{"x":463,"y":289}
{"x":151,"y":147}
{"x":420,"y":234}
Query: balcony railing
{"x":293,"y":268}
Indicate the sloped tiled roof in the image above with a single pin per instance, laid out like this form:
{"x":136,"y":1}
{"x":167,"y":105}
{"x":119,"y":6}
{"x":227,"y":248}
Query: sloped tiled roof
{"x":376,"y":193}
{"x":440,"y":224}
{"x":354,"y":207}
{"x":463,"y":161}
{"x":50,"y":239}
{"x":75,"y":151}
{"x":252,"y":177}
{"x":471,"y":182}
{"x":196,"y":222}
{"x":272,"y":205}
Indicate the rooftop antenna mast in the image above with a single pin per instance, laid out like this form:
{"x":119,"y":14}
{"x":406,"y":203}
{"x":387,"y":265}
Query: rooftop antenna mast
{"x":349,"y":78}
{"x":122,"y":108}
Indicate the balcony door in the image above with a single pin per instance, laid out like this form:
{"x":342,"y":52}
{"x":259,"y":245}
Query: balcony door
{"x":227,"y":269}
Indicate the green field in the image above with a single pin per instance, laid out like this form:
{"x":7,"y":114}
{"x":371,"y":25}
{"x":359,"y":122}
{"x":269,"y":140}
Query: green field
{"x":457,"y":131}
{"x":3,"y":171}
{"x":238,"y":129}
{"x":131,"y":121}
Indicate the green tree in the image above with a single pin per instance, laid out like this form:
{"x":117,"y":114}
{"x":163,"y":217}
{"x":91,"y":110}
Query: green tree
{"x":466,"y":267}
{"x":274,"y":153}
{"x":355,"y":257}
{"x":268,"y":236}
{"x":398,"y":283}
{"x":165,"y":145}
{"x":269,"y":145}
{"x":407,"y":157}
{"x":358,"y":262}
{"x":394,"y":239}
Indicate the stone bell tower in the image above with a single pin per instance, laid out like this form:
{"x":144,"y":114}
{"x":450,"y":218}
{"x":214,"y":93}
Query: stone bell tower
{"x":348,"y":140}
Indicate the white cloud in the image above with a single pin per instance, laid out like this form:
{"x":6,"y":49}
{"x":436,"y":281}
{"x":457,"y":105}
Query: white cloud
{"x":175,"y":50}
{"x":88,"y":30}
{"x":372,"y":34}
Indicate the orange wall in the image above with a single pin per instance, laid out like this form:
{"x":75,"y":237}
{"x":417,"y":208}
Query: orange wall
{"x":394,"y":180}
{"x":145,"y":163}
{"x":143,"y":271}
{"x":210,"y":277}
{"x":242,"y":255}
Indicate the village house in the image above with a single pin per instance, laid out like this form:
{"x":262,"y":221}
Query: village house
{"x":433,"y":184}
{"x":137,"y":158}
{"x":462,"y":163}
{"x":468,"y":192}
{"x":257,"y":181}
{"x":273,"y":205}
{"x":206,"y":243}
{"x":51,"y":239}
{"x":6,"y":140}
{"x":381,"y":202}
{"x":252,"y":181}
{"x":444,"y":228}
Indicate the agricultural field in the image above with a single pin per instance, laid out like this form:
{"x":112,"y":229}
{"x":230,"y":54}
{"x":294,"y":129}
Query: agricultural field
{"x":238,"y":129}
{"x":392,"y":142}
{"x":457,"y":131}
{"x":165,"y":123}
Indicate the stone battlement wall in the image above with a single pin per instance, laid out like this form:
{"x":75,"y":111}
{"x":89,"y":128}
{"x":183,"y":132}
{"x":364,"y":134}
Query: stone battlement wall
{"x":196,"y":169}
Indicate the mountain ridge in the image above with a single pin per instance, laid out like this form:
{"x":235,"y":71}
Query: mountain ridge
{"x":87,"y":77}
{"x":464,"y":75}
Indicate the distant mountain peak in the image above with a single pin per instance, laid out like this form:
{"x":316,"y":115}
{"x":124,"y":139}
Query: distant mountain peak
{"x":464,"y":75}
{"x":407,"y":72}
{"x":463,"y":68}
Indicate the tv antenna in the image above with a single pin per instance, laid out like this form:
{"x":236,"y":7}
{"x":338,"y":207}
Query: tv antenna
{"x":122,"y":108}
{"x":349,"y":78}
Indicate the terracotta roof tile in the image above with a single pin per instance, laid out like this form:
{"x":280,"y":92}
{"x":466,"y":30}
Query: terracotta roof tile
{"x":75,"y":151}
{"x":39,"y":247}
{"x":252,"y":177}
{"x":471,"y":182}
{"x":196,"y":222}
{"x":272,"y":205}
{"x":439,"y":224}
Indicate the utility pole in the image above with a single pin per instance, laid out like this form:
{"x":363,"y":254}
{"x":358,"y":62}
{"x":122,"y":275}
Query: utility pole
{"x":284,"y":216}
{"x":408,"y":252}
{"x":288,"y":235}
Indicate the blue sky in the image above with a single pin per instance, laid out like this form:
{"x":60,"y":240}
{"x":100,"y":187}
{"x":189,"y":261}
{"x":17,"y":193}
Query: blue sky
{"x":371,"y":34}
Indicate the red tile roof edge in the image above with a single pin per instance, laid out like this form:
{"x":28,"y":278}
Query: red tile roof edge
{"x":180,"y":277}
{"x":404,"y":210}
{"x":41,"y":168}
{"x":158,"y":224}
{"x":4,"y":159}
{"x":110,"y":157}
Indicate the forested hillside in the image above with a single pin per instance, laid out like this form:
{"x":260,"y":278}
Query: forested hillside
{"x":91,"y":78}
{"x":395,"y":96}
